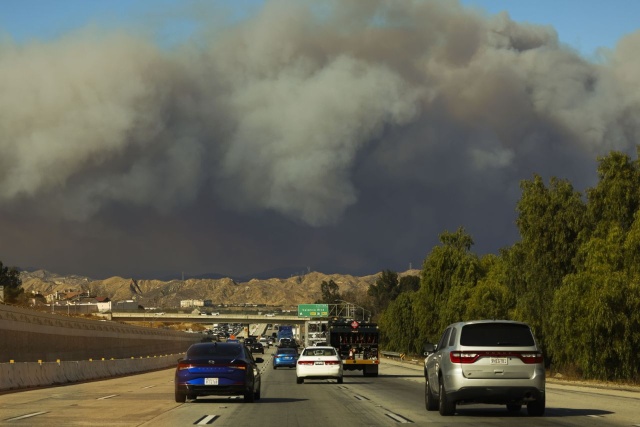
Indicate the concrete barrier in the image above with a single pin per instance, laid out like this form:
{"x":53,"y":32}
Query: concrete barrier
{"x":23,"y":375}
{"x":40,"y":349}
{"x":35,"y":335}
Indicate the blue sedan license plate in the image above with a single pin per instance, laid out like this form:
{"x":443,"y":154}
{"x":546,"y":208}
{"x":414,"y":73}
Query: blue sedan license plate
{"x":210,"y":381}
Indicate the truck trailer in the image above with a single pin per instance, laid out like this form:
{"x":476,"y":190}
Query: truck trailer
{"x":357,"y":344}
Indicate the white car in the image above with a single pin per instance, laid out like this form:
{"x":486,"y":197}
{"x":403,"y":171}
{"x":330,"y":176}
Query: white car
{"x":265,"y":342}
{"x":319,"y":363}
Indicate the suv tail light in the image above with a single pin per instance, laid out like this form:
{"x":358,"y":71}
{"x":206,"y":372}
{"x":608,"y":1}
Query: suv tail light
{"x":331,"y":362}
{"x":472,"y":356}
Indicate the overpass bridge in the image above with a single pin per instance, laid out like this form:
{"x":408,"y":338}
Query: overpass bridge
{"x":198,"y":318}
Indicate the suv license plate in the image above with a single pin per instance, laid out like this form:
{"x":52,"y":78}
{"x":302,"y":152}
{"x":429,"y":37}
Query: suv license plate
{"x":210,"y":381}
{"x":319,"y":363}
{"x":499,"y":361}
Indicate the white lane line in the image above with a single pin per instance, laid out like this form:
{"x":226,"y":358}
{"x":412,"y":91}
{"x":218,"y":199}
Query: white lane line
{"x":22,"y":417}
{"x":594,"y":416}
{"x":357,"y":396}
{"x":107,"y":397}
{"x":207,"y":419}
{"x":398,"y":418}
{"x":149,"y":386}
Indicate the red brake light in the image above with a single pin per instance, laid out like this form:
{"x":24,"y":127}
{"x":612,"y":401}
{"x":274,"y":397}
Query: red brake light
{"x":331,"y":362}
{"x":183,"y":366}
{"x":531,"y":358}
{"x":463,"y":357}
{"x":473,"y":356}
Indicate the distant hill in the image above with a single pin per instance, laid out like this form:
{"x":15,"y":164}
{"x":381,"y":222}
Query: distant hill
{"x":290,"y":291}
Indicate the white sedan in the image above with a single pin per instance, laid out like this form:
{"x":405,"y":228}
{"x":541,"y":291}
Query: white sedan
{"x":319,"y":363}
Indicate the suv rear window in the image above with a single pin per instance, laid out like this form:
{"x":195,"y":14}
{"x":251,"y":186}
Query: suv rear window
{"x":496,"y":335}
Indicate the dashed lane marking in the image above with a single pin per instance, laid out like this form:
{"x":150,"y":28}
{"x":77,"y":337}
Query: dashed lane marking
{"x":398,"y":418}
{"x":107,"y":397}
{"x":207,"y":419}
{"x":22,"y":417}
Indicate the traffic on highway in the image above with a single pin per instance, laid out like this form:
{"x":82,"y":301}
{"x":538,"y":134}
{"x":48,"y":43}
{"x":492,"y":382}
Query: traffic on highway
{"x":277,"y":397}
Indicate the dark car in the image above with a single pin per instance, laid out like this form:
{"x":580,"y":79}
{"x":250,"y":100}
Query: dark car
{"x":287,"y":343}
{"x":285,"y":356}
{"x":256,"y":347}
{"x":217,"y":369}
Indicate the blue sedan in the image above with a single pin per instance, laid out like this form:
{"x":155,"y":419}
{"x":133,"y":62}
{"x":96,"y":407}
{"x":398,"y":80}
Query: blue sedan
{"x":285,"y":356}
{"x":217,"y":369}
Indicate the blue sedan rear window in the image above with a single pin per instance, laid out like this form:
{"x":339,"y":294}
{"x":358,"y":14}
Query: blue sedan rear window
{"x":214,"y":349}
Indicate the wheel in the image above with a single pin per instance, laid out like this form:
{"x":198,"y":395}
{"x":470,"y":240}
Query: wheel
{"x":536,"y":408}
{"x":257,"y":394}
{"x":249,"y":396}
{"x":275,"y":367}
{"x":430,"y":403}
{"x":513,"y":407}
{"x":445,"y":407}
{"x":340,"y":380}
{"x":299,"y":380}
{"x":180,"y":397}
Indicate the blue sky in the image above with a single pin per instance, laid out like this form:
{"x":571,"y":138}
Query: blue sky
{"x":585,"y":25}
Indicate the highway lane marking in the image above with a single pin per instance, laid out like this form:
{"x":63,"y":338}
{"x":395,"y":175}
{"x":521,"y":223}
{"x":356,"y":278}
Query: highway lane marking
{"x":398,"y":418}
{"x":149,"y":386}
{"x":107,"y":397}
{"x":357,"y":396}
{"x":207,"y":419}
{"x":22,"y":417}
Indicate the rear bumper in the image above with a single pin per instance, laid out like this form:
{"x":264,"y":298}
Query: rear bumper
{"x":218,"y":390}
{"x":496,"y":395}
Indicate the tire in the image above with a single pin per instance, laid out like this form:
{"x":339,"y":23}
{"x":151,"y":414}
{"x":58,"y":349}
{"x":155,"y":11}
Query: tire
{"x":430,"y":402}
{"x":249,"y":396}
{"x":275,"y":367}
{"x":299,"y":380}
{"x":257,"y":395}
{"x":340,"y":380}
{"x":514,"y":407}
{"x":180,"y":397}
{"x":445,"y":407}
{"x":536,"y":408}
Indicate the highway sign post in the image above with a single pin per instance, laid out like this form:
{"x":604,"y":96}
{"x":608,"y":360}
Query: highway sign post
{"x":313,"y":310}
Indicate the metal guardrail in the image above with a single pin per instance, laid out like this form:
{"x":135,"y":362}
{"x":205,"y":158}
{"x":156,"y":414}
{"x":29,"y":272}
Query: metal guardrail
{"x":393,"y":354}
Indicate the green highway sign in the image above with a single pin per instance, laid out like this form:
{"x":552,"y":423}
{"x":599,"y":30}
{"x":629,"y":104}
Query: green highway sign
{"x":313,"y":310}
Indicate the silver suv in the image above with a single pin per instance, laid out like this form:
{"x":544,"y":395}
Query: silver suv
{"x":485,"y":361}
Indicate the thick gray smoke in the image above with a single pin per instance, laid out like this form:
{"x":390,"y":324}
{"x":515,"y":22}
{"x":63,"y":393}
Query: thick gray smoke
{"x":344,"y":136}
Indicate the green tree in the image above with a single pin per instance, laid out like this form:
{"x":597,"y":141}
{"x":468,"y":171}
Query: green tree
{"x":409,"y":284}
{"x":398,"y":325}
{"x":615,"y":199}
{"x":10,"y":279}
{"x":448,"y":274}
{"x":550,"y":221}
{"x":596,"y":314}
{"x":385,"y":290}
{"x":330,"y":292}
{"x":490,"y":298}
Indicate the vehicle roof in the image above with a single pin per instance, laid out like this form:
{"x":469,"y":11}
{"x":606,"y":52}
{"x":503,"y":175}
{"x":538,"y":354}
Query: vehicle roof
{"x":471,"y":322}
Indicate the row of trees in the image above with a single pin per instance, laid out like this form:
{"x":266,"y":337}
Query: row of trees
{"x":574,"y":276}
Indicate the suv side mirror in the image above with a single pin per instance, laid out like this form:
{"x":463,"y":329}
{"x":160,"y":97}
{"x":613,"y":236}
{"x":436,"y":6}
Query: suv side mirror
{"x":429,"y":348}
